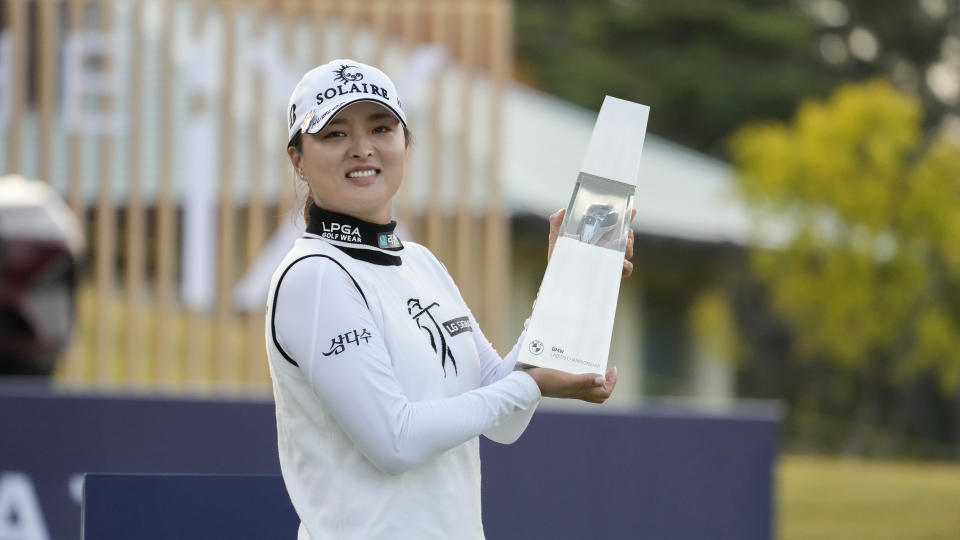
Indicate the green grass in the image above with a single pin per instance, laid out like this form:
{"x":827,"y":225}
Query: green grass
{"x":822,"y":498}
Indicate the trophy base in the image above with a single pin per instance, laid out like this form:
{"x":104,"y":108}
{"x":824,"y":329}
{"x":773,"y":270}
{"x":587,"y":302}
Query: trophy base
{"x":572,"y":321}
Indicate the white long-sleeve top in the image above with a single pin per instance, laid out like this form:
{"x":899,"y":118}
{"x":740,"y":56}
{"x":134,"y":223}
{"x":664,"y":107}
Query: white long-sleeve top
{"x":383,"y":382}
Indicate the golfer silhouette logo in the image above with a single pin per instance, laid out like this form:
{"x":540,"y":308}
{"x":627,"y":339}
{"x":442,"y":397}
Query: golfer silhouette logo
{"x":536,"y":346}
{"x":345,"y":76}
{"x":425,"y":320}
{"x":293,"y":114}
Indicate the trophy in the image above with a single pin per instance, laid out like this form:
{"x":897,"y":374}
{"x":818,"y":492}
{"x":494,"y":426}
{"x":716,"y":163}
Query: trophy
{"x":572,"y":321}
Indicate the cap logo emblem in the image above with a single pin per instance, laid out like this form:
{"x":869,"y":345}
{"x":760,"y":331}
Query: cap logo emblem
{"x":309,"y":121}
{"x":345,"y":76}
{"x":293,"y":114}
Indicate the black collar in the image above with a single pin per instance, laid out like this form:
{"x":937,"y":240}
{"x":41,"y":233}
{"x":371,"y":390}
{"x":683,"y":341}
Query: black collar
{"x":371,"y":242}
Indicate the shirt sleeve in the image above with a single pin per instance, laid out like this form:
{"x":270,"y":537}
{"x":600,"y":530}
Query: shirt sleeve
{"x":493,"y":368}
{"x":323,"y":322}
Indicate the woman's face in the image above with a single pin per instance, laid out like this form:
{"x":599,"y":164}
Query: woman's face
{"x":355,"y":165}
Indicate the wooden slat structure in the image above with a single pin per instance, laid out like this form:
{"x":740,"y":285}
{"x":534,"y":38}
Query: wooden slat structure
{"x":166,"y":357}
{"x":118,"y":83}
{"x":137,"y":371}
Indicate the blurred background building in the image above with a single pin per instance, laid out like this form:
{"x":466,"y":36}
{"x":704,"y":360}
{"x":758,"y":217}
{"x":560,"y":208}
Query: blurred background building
{"x":158,"y":123}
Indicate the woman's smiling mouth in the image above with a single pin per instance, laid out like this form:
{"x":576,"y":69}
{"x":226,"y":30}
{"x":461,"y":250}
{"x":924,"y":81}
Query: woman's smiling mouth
{"x":360,"y":173}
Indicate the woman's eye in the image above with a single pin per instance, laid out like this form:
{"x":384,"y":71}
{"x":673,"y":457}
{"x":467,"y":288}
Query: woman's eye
{"x":334,"y":134}
{"x":381,"y":129}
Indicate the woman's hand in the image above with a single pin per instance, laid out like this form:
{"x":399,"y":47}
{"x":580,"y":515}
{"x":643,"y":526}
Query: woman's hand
{"x":590,"y":387}
{"x":628,"y":254}
{"x":556,"y":219}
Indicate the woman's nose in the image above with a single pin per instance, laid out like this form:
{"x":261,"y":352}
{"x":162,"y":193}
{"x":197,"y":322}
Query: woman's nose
{"x":362,"y":148}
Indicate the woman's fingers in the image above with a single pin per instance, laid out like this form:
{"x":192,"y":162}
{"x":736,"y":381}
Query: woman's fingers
{"x":611,"y":379}
{"x":602,"y":392}
{"x":610,"y":382}
{"x":555,"y":219}
{"x":556,"y":383}
{"x":587,"y":382}
{"x":628,"y":254}
{"x":591,"y":387}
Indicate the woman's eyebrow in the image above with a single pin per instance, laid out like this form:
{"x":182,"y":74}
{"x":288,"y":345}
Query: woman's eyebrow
{"x":373,"y":117}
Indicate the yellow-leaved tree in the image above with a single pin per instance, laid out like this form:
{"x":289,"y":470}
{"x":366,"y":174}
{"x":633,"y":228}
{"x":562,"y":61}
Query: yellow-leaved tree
{"x":860,"y":215}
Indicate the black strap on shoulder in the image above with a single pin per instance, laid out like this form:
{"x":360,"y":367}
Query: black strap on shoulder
{"x":366,"y":255}
{"x":372,"y":256}
{"x":276,"y":294}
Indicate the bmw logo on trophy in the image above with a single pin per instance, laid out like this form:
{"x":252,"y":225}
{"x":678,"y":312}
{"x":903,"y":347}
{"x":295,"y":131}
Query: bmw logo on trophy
{"x":572,"y":320}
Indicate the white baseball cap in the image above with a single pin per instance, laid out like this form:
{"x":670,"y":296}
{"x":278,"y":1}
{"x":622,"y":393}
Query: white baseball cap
{"x":326,"y":90}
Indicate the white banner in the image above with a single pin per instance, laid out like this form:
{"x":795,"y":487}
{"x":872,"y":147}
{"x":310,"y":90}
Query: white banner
{"x":201,"y":70}
{"x":87,"y":82}
{"x":6,"y":78}
{"x":275,"y":68}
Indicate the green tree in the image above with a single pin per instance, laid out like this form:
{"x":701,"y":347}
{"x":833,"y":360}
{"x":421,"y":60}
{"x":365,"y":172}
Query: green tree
{"x":914,"y":44}
{"x":868,"y":271}
{"x":705,"y":68}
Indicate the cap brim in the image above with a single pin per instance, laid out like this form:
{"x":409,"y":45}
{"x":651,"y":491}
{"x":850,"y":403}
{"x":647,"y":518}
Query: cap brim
{"x":332,"y":113}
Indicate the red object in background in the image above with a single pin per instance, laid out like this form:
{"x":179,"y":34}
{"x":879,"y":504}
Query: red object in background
{"x":40,"y":246}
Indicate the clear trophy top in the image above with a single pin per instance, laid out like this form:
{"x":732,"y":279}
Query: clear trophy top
{"x":599,"y":212}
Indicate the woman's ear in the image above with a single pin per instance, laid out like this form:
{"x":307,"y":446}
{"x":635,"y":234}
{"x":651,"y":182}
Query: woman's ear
{"x":295,"y":159}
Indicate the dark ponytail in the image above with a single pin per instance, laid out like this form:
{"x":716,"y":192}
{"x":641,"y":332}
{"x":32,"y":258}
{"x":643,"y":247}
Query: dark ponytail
{"x":297,"y":143}
{"x":307,"y":201}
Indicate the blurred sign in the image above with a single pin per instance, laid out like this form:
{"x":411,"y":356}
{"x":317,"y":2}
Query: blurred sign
{"x":6,"y":78}
{"x":202,"y":86}
{"x":19,"y":499}
{"x":655,"y":474}
{"x":90,"y":77}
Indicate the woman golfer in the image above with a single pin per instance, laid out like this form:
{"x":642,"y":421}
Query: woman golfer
{"x":382,"y":378}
